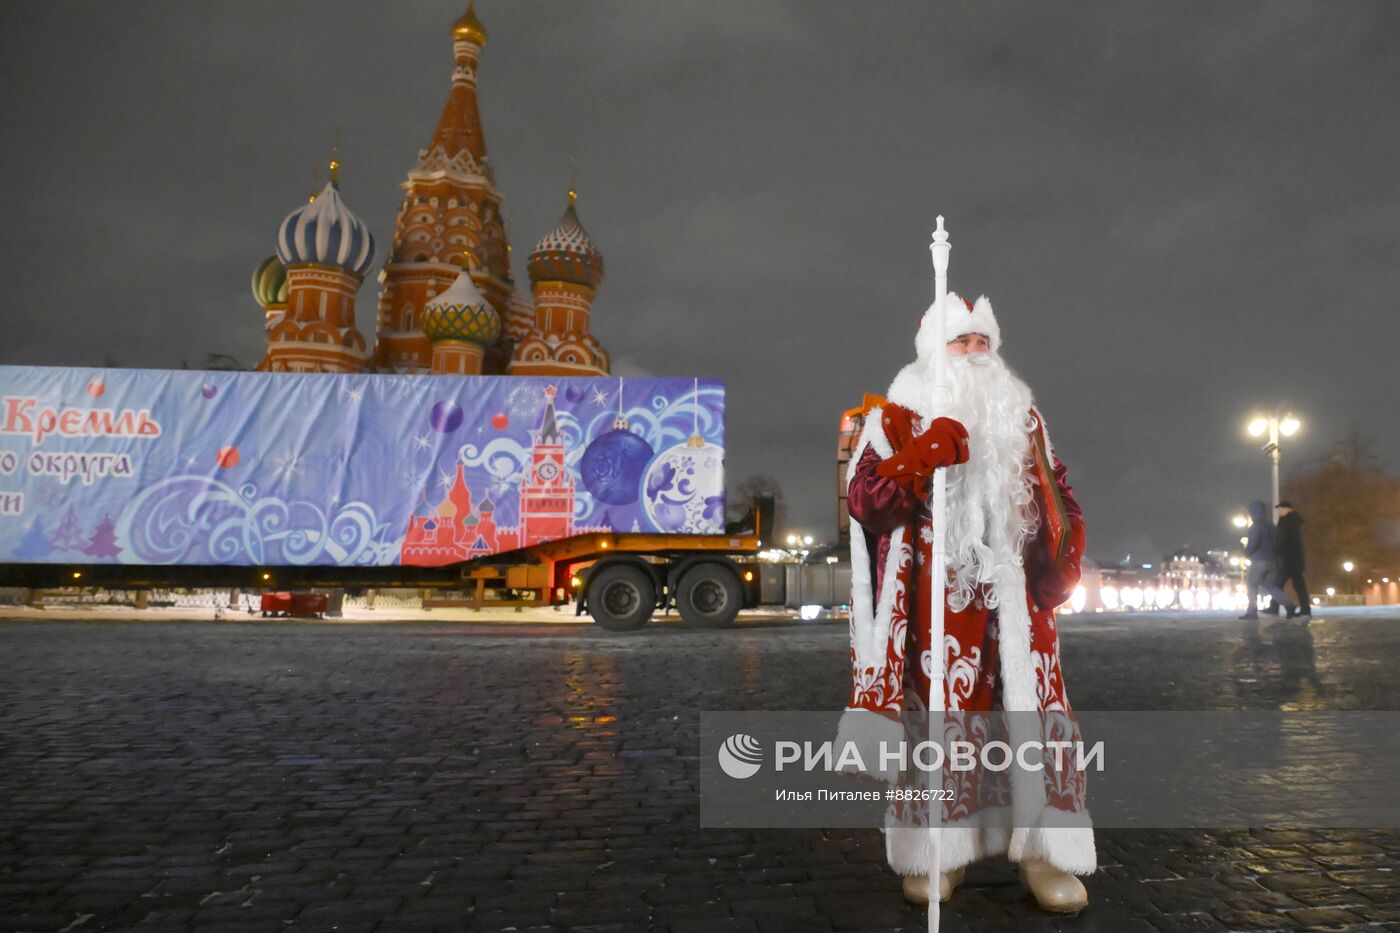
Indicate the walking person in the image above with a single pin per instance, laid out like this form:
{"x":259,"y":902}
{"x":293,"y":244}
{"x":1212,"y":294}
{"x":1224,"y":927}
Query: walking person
{"x":1290,"y":556}
{"x":1261,"y":548}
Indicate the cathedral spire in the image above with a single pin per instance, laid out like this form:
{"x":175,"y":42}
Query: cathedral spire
{"x":450,"y":206}
{"x":459,"y":128}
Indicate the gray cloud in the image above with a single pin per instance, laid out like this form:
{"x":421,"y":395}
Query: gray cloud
{"x":1180,"y":211}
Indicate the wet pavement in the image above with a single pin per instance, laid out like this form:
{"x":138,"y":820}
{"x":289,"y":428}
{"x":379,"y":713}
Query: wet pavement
{"x":261,"y":775}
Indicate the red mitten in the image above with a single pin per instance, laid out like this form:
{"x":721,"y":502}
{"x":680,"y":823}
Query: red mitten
{"x":943,"y":444}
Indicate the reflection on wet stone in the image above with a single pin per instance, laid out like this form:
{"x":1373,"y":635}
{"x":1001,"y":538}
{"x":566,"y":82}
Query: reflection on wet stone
{"x":261,"y":776}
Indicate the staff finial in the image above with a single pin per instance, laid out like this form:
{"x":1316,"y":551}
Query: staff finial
{"x":939,"y":248}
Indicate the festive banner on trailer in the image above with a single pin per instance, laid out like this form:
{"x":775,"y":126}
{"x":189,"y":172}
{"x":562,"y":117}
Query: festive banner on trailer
{"x":177,"y":467}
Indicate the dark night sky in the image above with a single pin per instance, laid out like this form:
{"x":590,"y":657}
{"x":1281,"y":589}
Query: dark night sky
{"x":1180,"y":211}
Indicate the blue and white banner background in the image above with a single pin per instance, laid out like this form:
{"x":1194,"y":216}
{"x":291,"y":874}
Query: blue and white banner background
{"x":159,"y":467}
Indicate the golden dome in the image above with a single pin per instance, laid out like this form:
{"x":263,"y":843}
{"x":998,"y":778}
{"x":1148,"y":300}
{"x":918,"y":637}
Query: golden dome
{"x":469,"y":28}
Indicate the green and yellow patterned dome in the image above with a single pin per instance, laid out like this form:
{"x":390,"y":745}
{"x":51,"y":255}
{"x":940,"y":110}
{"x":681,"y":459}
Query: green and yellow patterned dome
{"x":461,"y":313}
{"x":270,"y":282}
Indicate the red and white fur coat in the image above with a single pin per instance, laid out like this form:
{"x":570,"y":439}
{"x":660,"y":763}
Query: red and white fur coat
{"x":1000,"y":648}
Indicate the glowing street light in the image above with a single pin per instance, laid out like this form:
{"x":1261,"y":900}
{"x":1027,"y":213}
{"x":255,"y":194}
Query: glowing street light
{"x":1240,"y":521}
{"x":1275,"y":425}
{"x":1348,"y":566}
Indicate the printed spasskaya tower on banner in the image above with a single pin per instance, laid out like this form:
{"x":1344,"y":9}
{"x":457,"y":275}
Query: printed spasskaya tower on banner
{"x":547,"y":494}
{"x":460,"y":527}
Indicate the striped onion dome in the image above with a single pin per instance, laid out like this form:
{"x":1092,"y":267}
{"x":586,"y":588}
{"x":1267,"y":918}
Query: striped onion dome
{"x":566,"y":254}
{"x":461,"y":313}
{"x":326,"y":233}
{"x":270,"y":282}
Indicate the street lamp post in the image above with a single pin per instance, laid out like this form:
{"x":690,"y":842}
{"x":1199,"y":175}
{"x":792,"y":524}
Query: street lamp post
{"x":1276,"y":426}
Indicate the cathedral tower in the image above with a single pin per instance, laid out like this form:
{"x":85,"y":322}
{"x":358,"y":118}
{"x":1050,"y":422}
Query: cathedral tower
{"x":451,"y":206}
{"x":565,"y":270}
{"x":326,"y":251}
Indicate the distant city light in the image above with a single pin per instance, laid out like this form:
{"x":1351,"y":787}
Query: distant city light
{"x":1109,"y":596}
{"x":1078,"y":598}
{"x":1240,"y":521}
{"x":1331,"y":591}
{"x":1348,"y":566}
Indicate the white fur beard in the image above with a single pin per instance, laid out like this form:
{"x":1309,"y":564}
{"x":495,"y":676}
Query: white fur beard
{"x":991,"y":512}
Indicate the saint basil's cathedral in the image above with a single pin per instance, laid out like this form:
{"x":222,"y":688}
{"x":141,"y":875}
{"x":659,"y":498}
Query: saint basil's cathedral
{"x":447,"y":301}
{"x":447,"y":305}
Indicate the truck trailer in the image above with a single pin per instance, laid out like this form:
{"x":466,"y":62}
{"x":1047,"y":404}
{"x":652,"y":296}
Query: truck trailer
{"x":600,"y":491}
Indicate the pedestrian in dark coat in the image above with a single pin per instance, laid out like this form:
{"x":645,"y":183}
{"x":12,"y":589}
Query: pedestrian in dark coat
{"x":1288,"y":556}
{"x":1262,"y":550}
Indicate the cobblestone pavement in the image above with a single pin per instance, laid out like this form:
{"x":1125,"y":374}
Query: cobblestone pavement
{"x":281,"y":776}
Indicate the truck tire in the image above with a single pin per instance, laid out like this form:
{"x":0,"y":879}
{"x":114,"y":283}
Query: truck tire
{"x":708,"y":596}
{"x":621,"y":598}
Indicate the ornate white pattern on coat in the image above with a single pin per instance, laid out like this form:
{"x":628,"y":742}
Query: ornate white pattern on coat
{"x":1048,"y":688}
{"x":963,"y":669}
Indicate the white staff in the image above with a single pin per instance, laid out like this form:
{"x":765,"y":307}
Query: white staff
{"x":938,"y":573}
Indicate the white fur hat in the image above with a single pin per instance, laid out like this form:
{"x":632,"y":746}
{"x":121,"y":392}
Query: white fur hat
{"x":962,"y":317}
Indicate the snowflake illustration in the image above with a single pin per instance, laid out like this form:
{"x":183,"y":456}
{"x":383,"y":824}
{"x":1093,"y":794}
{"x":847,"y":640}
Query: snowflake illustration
{"x":288,"y":467}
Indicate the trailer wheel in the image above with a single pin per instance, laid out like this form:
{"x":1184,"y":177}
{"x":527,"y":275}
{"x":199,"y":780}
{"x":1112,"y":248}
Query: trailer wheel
{"x":708,"y":596}
{"x":621,"y":598}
